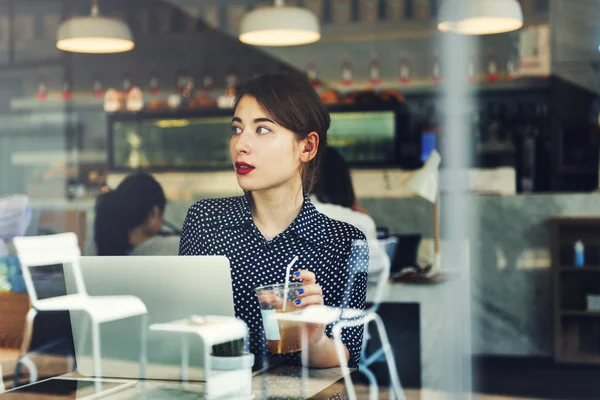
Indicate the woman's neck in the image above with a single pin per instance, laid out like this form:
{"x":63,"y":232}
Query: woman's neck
{"x":275,"y":209}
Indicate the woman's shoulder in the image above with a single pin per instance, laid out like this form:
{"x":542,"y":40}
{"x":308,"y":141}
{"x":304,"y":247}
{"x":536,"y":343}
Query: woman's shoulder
{"x":215,"y":206}
{"x":364,"y":223}
{"x":341,"y":230}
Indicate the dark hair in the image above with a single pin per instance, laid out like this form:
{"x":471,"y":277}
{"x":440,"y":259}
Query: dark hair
{"x":334,"y":183}
{"x":292,"y":103}
{"x":122,"y":209}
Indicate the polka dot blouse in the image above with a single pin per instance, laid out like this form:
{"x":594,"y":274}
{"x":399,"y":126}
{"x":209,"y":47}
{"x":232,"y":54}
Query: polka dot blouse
{"x":330,"y":249}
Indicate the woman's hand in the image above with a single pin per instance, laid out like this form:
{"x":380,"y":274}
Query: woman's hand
{"x":310,"y":294}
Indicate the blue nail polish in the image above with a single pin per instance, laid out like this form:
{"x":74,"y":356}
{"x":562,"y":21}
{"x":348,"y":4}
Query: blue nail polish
{"x":300,"y":291}
{"x":297,"y":273}
{"x":298,"y":301}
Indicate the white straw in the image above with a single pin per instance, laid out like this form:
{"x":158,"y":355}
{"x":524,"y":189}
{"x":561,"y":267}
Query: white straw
{"x":287,"y":280}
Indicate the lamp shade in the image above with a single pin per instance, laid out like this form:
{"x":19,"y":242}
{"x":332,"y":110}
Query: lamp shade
{"x":94,"y":34}
{"x":480,"y":17}
{"x":279,"y":26}
{"x":424,"y":181}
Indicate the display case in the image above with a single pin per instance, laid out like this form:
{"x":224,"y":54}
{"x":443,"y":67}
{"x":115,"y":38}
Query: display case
{"x":172,"y":141}
{"x":198,"y":140}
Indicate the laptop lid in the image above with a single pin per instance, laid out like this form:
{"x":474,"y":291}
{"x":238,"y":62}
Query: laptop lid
{"x":172,"y":288}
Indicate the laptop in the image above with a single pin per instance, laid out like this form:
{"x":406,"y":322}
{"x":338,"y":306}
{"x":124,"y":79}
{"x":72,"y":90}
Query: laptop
{"x":172,"y":288}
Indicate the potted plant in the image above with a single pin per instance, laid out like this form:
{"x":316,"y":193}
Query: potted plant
{"x":230,"y":356}
{"x":231,"y":375}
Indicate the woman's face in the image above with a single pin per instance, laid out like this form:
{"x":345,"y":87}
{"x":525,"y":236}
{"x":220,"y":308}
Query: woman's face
{"x":265,"y":155}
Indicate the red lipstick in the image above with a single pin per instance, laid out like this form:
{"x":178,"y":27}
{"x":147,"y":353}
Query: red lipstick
{"x":242,"y":168}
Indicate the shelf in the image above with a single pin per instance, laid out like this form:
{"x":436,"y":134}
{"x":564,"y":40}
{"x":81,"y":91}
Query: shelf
{"x":424,"y":87}
{"x":418,"y":89}
{"x":582,"y":219}
{"x":581,"y":313}
{"x":79,"y":101}
{"x":580,"y":358}
{"x":588,"y":268}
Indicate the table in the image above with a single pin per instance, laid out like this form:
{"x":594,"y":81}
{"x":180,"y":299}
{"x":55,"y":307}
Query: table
{"x":444,"y":323}
{"x":281,"y":382}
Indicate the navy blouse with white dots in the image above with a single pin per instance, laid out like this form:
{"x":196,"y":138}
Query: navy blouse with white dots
{"x":330,"y":249}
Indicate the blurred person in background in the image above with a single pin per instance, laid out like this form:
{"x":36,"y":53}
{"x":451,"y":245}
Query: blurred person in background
{"x":129,"y":219}
{"x":333,"y":195}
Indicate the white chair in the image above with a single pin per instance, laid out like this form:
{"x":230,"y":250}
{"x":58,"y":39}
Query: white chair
{"x":342,"y":318}
{"x":63,"y":249}
{"x":397,"y":392}
{"x":378,"y":280}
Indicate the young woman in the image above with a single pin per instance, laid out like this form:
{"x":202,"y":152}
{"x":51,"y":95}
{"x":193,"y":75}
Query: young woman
{"x":129,"y":218}
{"x":278,"y":129}
{"x":334,"y":196}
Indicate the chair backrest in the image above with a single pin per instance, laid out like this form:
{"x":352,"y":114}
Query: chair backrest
{"x":389,"y":244}
{"x":39,"y":251}
{"x":383,"y":275}
{"x":15,"y":215}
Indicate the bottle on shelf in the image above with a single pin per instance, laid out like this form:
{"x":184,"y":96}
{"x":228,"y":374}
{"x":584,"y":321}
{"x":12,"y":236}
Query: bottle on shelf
{"x":579,"y":254}
{"x":154,"y":83}
{"x":127,"y":84}
{"x":207,"y":80}
{"x":42,"y":89}
{"x":472,"y":70}
{"x":180,"y":81}
{"x":97,"y":89}
{"x":312,"y":74}
{"x":374,"y":70}
{"x":492,"y":68}
{"x":347,"y":71}
{"x":436,"y":73}
{"x":67,"y":91}
{"x":404,"y":71}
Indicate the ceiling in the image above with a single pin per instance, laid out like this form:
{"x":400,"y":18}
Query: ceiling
{"x":575,"y":37}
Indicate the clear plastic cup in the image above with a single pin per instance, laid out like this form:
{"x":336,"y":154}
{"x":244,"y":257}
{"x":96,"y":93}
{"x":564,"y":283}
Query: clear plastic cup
{"x":283,"y":337}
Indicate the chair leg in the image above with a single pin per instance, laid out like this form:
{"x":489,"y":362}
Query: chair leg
{"x":397,"y":391}
{"x":379,"y":355}
{"x":70,"y":363}
{"x":18,"y":369}
{"x":33,"y":374}
{"x":83,"y":333}
{"x":389,"y":357}
{"x":97,"y":357}
{"x":373,"y":386}
{"x":2,"y":387}
{"x":144,"y":345}
{"x":31,"y":314}
{"x":185,"y":354}
{"x":341,"y":353}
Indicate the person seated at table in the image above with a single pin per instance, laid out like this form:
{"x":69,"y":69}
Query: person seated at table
{"x":278,"y":129}
{"x":333,"y":195}
{"x":129,"y":219}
